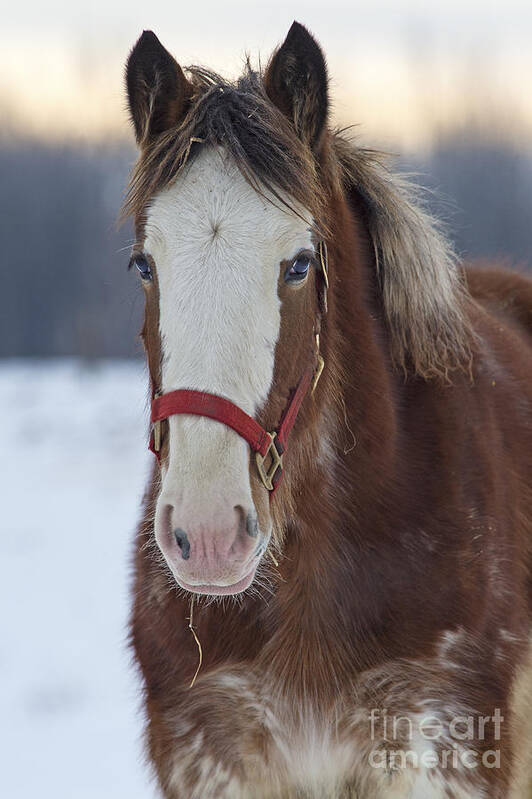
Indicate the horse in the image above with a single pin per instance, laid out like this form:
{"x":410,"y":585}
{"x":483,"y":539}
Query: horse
{"x":332,"y":590}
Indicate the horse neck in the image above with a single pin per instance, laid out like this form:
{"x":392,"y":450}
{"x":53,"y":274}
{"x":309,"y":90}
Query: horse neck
{"x":354,"y":465}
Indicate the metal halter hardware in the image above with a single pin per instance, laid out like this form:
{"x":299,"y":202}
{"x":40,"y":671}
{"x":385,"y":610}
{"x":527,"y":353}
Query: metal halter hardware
{"x":275,"y":452}
{"x":156,"y":432}
{"x":266,"y":445}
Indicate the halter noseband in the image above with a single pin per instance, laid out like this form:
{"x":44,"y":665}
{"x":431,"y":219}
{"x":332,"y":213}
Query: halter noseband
{"x":263,"y":443}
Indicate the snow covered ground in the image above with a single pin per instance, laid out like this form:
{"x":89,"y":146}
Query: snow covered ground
{"x":74,"y":462}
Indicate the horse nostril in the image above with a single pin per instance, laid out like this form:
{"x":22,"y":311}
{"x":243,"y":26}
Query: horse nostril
{"x":252,"y":526}
{"x":182,"y":542}
{"x":247,"y":522}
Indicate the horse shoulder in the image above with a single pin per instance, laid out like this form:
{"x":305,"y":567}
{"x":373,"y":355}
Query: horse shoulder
{"x":502,"y":293}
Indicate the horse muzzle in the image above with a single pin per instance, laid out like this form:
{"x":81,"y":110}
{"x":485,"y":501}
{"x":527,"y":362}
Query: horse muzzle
{"x":217,"y":555}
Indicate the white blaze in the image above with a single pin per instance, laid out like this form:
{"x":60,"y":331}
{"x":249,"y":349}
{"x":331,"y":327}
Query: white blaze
{"x":217,"y":246}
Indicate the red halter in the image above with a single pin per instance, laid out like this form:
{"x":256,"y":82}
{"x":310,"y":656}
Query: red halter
{"x":264,"y":444}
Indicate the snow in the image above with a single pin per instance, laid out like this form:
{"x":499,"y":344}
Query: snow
{"x":74,"y":464}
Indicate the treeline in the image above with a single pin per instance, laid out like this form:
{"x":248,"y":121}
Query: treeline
{"x":66,"y":290}
{"x":483,"y":190}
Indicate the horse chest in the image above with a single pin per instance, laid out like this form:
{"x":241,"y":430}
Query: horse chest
{"x":249,"y":745}
{"x":239,"y":738}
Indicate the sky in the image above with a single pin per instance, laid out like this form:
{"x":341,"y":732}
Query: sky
{"x":401,"y":70}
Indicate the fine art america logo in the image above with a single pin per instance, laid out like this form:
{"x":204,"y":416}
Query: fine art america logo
{"x":428,"y":742}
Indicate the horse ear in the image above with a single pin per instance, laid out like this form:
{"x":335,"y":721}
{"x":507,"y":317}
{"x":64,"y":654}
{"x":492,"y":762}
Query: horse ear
{"x":158,"y":92}
{"x":296,"y":82}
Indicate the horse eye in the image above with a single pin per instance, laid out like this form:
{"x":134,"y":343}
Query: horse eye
{"x":299,"y":269}
{"x":140,"y":263}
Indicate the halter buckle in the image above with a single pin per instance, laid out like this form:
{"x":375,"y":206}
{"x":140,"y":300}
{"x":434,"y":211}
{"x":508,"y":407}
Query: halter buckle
{"x":156,"y":428}
{"x":275,"y":452}
{"x":156,"y":433}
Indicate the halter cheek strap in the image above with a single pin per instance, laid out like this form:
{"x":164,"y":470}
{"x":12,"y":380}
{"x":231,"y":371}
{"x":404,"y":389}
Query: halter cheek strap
{"x":269,"y":447}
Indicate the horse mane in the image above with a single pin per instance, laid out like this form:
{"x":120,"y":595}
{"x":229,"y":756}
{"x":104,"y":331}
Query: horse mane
{"x":240,"y":118}
{"x":423,"y":292}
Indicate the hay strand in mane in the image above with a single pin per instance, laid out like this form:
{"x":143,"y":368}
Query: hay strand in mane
{"x":197,"y":640}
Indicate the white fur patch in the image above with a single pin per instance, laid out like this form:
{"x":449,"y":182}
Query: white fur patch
{"x":217,"y":246}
